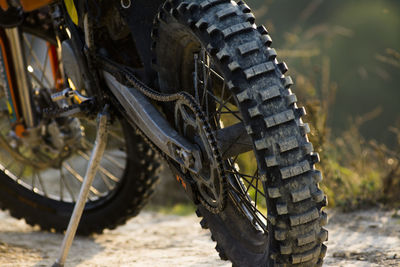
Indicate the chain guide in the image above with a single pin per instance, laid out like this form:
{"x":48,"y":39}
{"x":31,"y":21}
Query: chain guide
{"x":217,"y":203}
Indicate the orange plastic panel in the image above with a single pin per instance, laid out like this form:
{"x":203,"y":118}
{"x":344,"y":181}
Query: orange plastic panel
{"x":3,"y":4}
{"x":29,"y":5}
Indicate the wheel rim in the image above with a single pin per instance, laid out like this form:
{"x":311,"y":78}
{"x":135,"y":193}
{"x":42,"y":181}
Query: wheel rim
{"x":220,"y":106}
{"x":61,"y":181}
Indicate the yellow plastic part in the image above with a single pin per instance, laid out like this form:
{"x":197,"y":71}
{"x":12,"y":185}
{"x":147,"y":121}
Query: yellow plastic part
{"x":73,"y":14}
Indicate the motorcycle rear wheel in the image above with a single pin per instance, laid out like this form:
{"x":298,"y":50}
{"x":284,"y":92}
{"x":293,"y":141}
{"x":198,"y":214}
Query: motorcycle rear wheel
{"x":223,"y":35}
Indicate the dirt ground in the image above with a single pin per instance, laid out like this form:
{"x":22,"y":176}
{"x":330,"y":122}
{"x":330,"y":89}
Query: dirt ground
{"x":367,"y":238}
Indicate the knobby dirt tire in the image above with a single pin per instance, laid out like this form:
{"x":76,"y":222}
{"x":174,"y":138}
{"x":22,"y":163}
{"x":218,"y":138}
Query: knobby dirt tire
{"x":126,"y":201}
{"x":285,"y":157}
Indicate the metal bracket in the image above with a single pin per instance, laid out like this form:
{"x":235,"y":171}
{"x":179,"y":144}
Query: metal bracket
{"x":97,"y":153}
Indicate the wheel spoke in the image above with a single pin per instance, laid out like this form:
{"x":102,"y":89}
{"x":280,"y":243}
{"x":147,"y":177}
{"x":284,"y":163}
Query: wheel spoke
{"x":220,"y":102}
{"x":223,"y":105}
{"x":205,"y":80}
{"x":229,"y":112}
{"x":8,"y":165}
{"x":46,"y":59}
{"x":243,"y":176}
{"x":255,"y":212}
{"x":195,"y":78}
{"x":101,"y":168}
{"x":240,"y":174}
{"x":251,"y":182}
{"x":79,"y":178}
{"x":256,"y":194}
{"x":254,"y":187}
{"x":210,"y":70}
{"x":41,"y":184}
{"x":32,"y":74}
{"x":207,"y":108}
{"x":106,"y":181}
{"x":112,"y":160}
{"x":108,"y":157}
{"x":245,"y":197}
{"x":222,"y":97}
{"x":213,"y":71}
{"x":29,"y":44}
{"x":21,"y":172}
{"x":235,"y":159}
{"x":206,"y":74}
{"x":33,"y":181}
{"x":227,"y":149}
{"x":36,"y":59}
{"x":64,"y":181}
{"x":253,"y":208}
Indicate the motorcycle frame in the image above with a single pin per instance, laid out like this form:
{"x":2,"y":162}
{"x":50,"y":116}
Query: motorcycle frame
{"x":147,"y":118}
{"x":138,"y":15}
{"x":139,"y":110}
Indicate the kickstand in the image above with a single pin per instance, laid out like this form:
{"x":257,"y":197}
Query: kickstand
{"x":97,"y":153}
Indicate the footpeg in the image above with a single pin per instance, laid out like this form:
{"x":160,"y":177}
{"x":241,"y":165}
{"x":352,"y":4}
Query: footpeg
{"x":63,"y":112}
{"x":69,"y":94}
{"x":74,"y":104}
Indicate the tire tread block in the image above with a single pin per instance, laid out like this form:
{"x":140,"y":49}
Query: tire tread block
{"x":237,"y":28}
{"x":305,"y":217}
{"x":259,"y":69}
{"x":295,"y":170}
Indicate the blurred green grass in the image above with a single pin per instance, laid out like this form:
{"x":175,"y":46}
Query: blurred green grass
{"x":180,"y":209}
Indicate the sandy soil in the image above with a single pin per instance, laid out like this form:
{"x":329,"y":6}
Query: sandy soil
{"x":367,"y":238}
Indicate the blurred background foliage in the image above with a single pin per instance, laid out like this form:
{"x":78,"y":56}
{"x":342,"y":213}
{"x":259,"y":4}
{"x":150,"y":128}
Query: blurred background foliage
{"x":344,"y":57}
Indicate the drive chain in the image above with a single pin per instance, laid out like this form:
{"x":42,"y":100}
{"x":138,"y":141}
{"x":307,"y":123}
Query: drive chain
{"x":187,"y":99}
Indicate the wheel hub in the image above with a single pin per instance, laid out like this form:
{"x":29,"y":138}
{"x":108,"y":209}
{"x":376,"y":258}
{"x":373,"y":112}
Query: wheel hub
{"x":45,"y":146}
{"x":49,"y":143}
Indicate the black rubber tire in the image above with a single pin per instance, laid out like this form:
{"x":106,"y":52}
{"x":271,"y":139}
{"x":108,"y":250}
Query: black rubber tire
{"x":126,"y":201}
{"x":241,"y":51}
